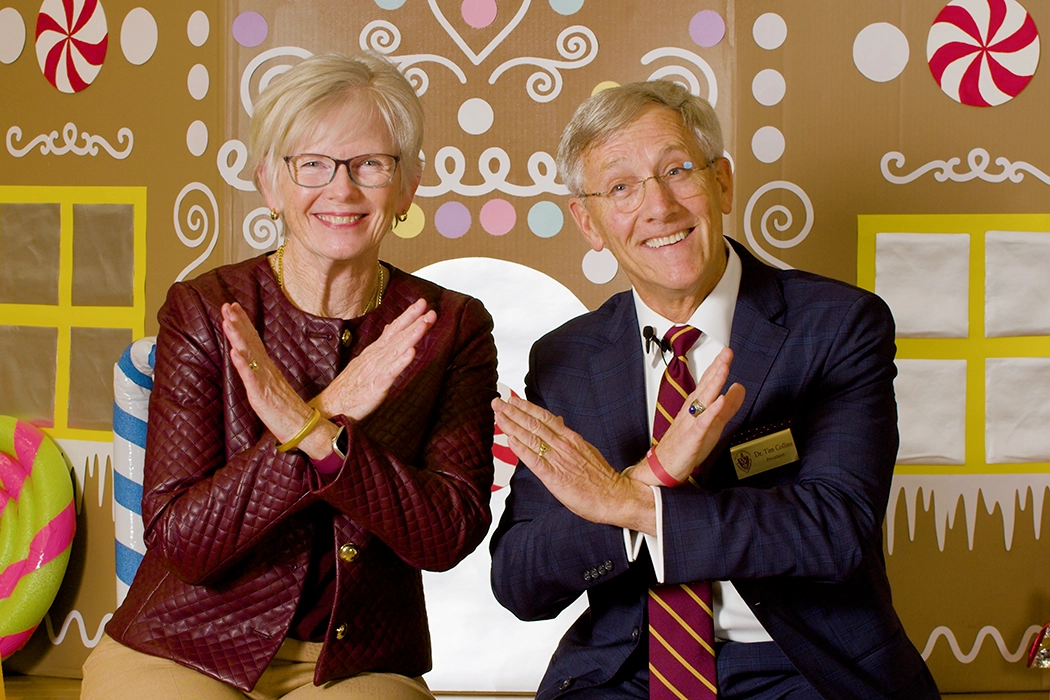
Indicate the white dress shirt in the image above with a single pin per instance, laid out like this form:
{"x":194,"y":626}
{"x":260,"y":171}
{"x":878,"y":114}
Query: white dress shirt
{"x":733,"y":619}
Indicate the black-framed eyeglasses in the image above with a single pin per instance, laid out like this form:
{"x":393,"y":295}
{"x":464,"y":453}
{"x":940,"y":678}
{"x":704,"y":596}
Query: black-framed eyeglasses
{"x":680,"y":179}
{"x":317,"y":170}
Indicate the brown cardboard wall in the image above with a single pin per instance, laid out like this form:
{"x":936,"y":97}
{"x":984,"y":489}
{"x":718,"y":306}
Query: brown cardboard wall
{"x":816,"y":142}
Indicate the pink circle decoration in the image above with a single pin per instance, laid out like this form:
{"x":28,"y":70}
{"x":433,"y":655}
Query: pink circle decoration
{"x":71,"y":41}
{"x":478,"y":13}
{"x":707,"y":28}
{"x":498,"y":217}
{"x":452,"y":219}
{"x":250,"y":29}
{"x":983,"y":53}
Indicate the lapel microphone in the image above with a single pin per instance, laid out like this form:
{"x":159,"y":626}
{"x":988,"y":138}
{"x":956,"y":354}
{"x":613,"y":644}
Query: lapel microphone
{"x":662,"y":344}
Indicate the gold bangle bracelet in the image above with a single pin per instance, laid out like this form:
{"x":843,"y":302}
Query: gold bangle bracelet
{"x":298,"y":437}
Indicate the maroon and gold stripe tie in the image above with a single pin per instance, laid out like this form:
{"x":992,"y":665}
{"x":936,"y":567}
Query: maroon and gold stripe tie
{"x":681,"y":625}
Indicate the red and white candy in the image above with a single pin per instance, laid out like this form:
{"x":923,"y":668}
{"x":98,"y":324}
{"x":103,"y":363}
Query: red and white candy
{"x":983,"y":52}
{"x":71,"y":41}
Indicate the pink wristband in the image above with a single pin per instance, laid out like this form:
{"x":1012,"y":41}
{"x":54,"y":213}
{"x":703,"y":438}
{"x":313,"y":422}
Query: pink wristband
{"x":658,"y":469}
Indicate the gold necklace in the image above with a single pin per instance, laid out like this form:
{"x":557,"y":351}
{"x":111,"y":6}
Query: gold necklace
{"x":277,"y":265}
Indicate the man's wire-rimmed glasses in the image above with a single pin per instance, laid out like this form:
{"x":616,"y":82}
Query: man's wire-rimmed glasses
{"x":682,"y":180}
{"x":316,"y":170}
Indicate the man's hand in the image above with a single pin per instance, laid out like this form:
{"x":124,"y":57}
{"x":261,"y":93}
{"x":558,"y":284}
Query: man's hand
{"x":692,"y":436}
{"x":572,"y":469}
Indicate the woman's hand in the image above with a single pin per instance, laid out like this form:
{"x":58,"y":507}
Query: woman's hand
{"x":690,"y":438}
{"x":365,"y":382}
{"x":280,"y":409}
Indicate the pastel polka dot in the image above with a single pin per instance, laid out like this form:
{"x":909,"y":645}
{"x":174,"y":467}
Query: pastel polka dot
{"x":452,"y":219}
{"x":12,"y":35}
{"x":413,"y":225}
{"x":604,"y":85}
{"x":250,"y":29}
{"x":566,"y":7}
{"x":197,"y":138}
{"x":707,"y":28}
{"x":475,"y":116}
{"x":546,"y":219}
{"x":768,"y":144}
{"x":198,"y":28}
{"x":138,"y":36}
{"x":498,"y":217}
{"x":599,"y":267}
{"x":880,"y":52}
{"x":768,"y":87}
{"x":389,"y":4}
{"x":198,"y":81}
{"x":478,"y":13}
{"x":769,"y":31}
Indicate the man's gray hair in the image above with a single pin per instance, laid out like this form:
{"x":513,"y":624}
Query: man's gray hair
{"x":606,"y":113}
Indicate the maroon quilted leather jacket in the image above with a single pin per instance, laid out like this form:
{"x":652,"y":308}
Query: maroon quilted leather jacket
{"x":229,"y":522}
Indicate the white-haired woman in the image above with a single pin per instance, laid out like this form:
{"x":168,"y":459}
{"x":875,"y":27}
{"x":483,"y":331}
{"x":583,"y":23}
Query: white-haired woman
{"x":319,"y":428}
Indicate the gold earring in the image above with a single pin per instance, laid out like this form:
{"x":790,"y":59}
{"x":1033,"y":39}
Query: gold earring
{"x":402,"y":218}
{"x":274,"y":215}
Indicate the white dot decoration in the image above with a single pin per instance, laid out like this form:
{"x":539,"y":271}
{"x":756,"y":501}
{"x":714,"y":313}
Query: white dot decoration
{"x":770,"y":31}
{"x":768,"y":144}
{"x":12,"y":35}
{"x":768,"y":87}
{"x":599,"y":267}
{"x":197,"y":138}
{"x":198,"y":28}
{"x":880,"y":52}
{"x":138,"y":36}
{"x":198,"y":81}
{"x":475,"y":116}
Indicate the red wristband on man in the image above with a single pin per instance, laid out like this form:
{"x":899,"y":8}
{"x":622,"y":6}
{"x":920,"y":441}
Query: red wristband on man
{"x":658,"y":469}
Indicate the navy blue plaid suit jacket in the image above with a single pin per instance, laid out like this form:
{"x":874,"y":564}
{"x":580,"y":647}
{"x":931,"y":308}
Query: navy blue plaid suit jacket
{"x":802,"y":543}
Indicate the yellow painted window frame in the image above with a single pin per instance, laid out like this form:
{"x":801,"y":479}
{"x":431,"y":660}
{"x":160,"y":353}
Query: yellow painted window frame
{"x":64,"y":316}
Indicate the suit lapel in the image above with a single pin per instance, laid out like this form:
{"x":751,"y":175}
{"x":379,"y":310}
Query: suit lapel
{"x":756,"y":338}
{"x":619,"y":385}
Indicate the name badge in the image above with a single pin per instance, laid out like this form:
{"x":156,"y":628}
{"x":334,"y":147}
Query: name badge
{"x":764,"y":453}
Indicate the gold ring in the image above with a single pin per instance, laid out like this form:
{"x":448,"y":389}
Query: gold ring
{"x":253,"y":365}
{"x":696,"y":408}
{"x":544,"y":448}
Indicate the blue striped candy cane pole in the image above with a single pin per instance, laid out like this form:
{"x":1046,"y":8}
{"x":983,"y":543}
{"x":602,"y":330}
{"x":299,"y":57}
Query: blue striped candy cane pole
{"x":132,"y":385}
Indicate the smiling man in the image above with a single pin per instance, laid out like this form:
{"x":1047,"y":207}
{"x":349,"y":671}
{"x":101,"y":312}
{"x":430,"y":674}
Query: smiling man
{"x":728,"y":531}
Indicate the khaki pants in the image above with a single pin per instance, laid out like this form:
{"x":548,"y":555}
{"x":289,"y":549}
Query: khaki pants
{"x":113,"y":671}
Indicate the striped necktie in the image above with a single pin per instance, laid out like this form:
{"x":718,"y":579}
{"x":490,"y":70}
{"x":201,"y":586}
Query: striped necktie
{"x":681,"y":626}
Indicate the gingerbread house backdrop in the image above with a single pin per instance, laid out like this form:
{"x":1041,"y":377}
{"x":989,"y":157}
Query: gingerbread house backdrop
{"x":897,"y":145}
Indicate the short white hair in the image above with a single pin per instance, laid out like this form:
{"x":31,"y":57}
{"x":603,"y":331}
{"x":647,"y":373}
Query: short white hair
{"x":295,"y":101}
{"x":608,"y":112}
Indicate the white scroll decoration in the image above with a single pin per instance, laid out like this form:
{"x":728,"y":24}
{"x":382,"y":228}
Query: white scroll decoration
{"x":384,"y":38}
{"x":978,"y":161}
{"x":262,"y":232}
{"x":781,"y":219}
{"x":451,"y":166}
{"x":75,"y":616}
{"x":47,"y":144}
{"x":477,"y":58}
{"x":231,"y":172}
{"x":577,"y":45}
{"x":984,"y":632}
{"x":256,"y":63}
{"x":197,"y":219}
{"x":690,"y":80}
